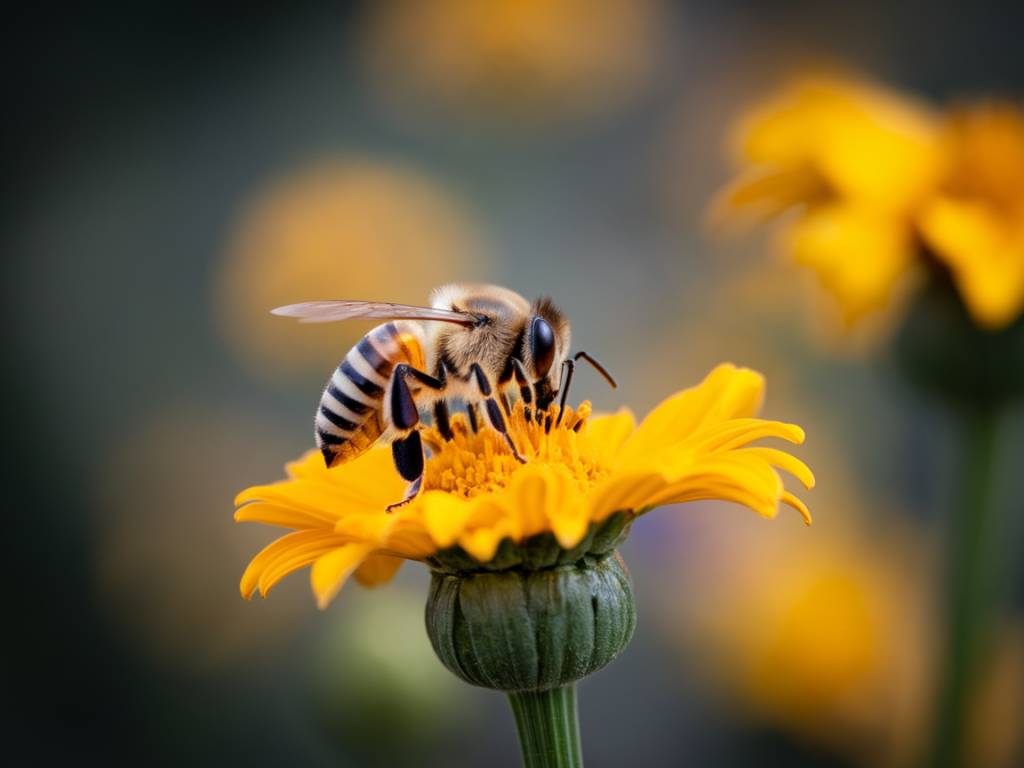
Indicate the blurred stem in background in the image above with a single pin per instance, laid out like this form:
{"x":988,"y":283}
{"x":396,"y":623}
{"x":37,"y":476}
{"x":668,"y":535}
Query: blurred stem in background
{"x":973,"y":565}
{"x":977,"y":373}
{"x":548,"y":727}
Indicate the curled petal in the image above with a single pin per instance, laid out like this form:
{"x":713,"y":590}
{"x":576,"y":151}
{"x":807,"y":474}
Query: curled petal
{"x":281,"y":557}
{"x":331,"y":571}
{"x":785,"y":461}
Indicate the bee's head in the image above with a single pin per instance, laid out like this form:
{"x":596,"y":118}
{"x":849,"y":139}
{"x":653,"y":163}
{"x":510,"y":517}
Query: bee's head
{"x":545,"y":346}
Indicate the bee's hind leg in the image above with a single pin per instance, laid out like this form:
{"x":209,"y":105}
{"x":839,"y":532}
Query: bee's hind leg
{"x":407,"y":451}
{"x":408,"y":455}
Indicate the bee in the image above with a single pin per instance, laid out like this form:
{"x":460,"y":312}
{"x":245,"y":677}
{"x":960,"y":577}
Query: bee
{"x":480,"y":344}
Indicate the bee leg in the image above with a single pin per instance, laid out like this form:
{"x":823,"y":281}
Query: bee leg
{"x":442,"y":417}
{"x":543,"y":395}
{"x":474,"y":417}
{"x":404,"y":412}
{"x":525,"y":390}
{"x":407,"y":452}
{"x":405,"y":371}
{"x":408,"y":455}
{"x":570,"y":368}
{"x":494,"y":415}
{"x":442,"y":420}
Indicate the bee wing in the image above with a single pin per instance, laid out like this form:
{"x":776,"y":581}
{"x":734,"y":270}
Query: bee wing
{"x":333,"y":311}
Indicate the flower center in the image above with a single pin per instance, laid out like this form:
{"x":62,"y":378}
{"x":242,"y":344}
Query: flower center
{"x":474,"y":463}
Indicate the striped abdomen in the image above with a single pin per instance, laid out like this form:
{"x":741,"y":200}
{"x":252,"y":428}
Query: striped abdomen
{"x":351,"y":413}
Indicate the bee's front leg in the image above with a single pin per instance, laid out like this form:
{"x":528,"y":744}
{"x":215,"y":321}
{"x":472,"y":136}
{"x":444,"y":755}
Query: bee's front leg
{"x":525,"y":390}
{"x":494,"y":415}
{"x":442,"y":417}
{"x":568,"y":368}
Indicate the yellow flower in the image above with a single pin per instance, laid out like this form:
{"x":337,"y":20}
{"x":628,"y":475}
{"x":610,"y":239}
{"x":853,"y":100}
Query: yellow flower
{"x":524,"y":59}
{"x":695,"y":445}
{"x":841,"y":645}
{"x":976,"y":222}
{"x":857,"y":162}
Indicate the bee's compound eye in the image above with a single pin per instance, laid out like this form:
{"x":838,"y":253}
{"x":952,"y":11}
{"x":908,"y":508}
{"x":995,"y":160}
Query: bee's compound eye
{"x":542,"y":346}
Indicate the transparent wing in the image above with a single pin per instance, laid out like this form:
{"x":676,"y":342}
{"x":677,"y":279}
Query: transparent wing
{"x":333,"y":311}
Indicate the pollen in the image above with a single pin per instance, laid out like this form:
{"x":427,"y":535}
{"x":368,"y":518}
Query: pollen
{"x":475,"y":463}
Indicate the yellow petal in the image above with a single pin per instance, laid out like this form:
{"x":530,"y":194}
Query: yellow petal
{"x":445,"y":517}
{"x":721,"y":488}
{"x":985,"y":251}
{"x":785,"y":461}
{"x":548,"y":497}
{"x":628,"y":491}
{"x":798,"y":505}
{"x":297,"y":549}
{"x":331,"y":571}
{"x":859,"y":253}
{"x":865,"y":142}
{"x":377,"y":569}
{"x":409,"y":539}
{"x":369,"y":481}
{"x":608,"y":432}
{"x":883,"y":151}
{"x":482,"y":543}
{"x":736,"y":433}
{"x":727,"y":392}
{"x":764,"y":192}
{"x":317,"y":499}
{"x":273,"y":514}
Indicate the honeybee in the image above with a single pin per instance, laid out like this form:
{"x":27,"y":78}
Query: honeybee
{"x":478,"y":343}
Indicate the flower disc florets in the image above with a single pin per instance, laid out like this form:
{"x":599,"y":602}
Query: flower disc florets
{"x":474,"y":463}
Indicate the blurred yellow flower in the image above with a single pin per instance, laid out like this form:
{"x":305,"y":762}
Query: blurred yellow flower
{"x":858,"y":162}
{"x":534,"y":59}
{"x":695,"y":445}
{"x":341,"y":228}
{"x":881,"y":186}
{"x":828,"y":642}
{"x":975,"y":224}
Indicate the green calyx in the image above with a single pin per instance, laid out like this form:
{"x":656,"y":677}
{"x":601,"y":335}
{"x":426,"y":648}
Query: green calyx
{"x":536,"y":617}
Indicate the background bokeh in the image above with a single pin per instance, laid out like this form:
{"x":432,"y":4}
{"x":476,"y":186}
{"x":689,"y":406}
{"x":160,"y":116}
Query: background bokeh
{"x":174,"y":170}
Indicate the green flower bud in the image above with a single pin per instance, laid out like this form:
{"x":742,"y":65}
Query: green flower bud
{"x":536,"y":617}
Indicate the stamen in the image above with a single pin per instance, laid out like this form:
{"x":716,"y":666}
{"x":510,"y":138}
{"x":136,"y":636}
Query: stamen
{"x":475,"y":463}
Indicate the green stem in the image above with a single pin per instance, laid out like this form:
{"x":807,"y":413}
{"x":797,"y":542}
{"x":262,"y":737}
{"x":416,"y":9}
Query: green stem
{"x":549,"y":731}
{"x":973,"y":579}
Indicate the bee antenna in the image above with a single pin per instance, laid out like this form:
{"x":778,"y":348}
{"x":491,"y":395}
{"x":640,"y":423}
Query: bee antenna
{"x":598,"y":367}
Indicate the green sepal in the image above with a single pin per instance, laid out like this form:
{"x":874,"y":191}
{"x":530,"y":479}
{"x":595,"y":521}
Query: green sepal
{"x":537,"y":552}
